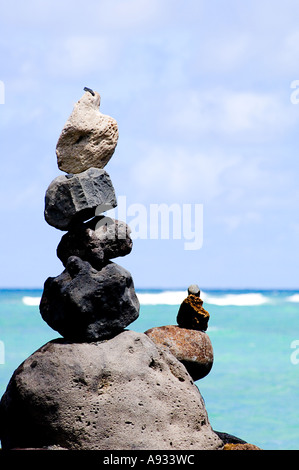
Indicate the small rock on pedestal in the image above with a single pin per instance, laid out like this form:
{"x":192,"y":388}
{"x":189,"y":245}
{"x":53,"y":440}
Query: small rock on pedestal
{"x":194,"y":289}
{"x":96,"y":241}
{"x":74,"y":198}
{"x":84,"y":304}
{"x":192,"y":348}
{"x":88,"y":138}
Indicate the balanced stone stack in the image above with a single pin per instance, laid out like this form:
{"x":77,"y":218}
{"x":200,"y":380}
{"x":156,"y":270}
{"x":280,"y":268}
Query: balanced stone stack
{"x":188,"y":340}
{"x":94,"y":298}
{"x":101,"y":386}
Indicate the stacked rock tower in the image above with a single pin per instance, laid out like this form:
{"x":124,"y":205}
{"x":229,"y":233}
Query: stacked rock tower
{"x":94,"y":298}
{"x":102,"y":386}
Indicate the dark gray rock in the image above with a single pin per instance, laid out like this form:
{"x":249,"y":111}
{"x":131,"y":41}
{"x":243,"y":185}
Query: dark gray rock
{"x":121,"y":394}
{"x":74,"y":198}
{"x":96,"y":241}
{"x":229,"y":438}
{"x":84,"y":304}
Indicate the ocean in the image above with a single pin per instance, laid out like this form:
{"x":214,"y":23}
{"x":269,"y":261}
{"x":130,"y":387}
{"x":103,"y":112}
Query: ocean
{"x":252,"y":389}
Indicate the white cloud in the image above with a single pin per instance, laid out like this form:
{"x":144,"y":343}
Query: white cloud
{"x":239,"y":189}
{"x":232,"y":221}
{"x":33,"y":11}
{"x":288,"y":54}
{"x":127,"y":14}
{"x":180,"y":175}
{"x":219,"y":53}
{"x":23,"y":198}
{"x":83,"y":54}
{"x":248,"y":114}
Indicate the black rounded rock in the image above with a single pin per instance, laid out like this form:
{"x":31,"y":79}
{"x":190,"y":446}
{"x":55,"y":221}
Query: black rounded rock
{"x":96,"y":241}
{"x":84,"y":304}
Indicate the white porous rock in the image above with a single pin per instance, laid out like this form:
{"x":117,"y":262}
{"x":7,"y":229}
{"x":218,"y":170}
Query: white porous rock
{"x":88,"y":138}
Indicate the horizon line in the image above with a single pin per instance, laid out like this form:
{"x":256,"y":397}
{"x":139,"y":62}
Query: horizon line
{"x":180,"y":288}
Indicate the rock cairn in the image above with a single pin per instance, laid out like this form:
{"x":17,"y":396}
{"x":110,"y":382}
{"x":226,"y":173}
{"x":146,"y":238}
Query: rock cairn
{"x":188,"y":340}
{"x":94,"y":298}
{"x":100,"y":386}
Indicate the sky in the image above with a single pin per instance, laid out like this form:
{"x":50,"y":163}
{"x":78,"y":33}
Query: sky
{"x":202,"y":93}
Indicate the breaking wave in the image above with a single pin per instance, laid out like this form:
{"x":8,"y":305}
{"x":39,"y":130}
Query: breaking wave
{"x":162,"y":298}
{"x":293,"y":298}
{"x":240,"y":300}
{"x":31,"y":301}
{"x":176,"y":297}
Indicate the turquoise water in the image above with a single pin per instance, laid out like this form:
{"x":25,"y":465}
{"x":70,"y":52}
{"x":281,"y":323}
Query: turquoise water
{"x":252,"y":389}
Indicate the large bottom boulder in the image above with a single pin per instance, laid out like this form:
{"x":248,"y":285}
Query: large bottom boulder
{"x":123,"y":393}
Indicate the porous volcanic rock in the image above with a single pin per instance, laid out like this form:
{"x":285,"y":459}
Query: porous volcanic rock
{"x":96,"y":241}
{"x":74,"y":198}
{"x":84,"y":304}
{"x":191,"y":347}
{"x":88,"y":138}
{"x":123,"y":394}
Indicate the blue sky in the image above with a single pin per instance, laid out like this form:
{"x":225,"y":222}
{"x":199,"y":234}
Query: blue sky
{"x":201,"y":93}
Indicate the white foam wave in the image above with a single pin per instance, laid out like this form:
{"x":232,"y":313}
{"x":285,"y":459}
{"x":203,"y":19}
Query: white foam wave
{"x":31,"y":301}
{"x":162,"y":298}
{"x":293,"y":298}
{"x":239,"y":300}
{"x":176,"y":298}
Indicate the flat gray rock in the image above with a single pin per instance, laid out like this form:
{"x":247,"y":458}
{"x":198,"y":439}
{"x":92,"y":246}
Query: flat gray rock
{"x":84,"y":304}
{"x":88,"y":138}
{"x":96,"y":241}
{"x":121,"y":394}
{"x":74,"y":198}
